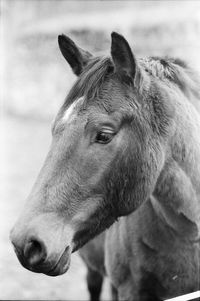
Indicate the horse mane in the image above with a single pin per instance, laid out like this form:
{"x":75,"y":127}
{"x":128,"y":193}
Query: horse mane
{"x":167,"y":70}
{"x":175,"y":71}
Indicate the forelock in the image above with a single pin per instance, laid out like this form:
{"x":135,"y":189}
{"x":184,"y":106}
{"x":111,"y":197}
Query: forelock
{"x":90,"y":81}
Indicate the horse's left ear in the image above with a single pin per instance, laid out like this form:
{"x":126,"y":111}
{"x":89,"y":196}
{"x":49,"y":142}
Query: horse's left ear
{"x":123,"y":58}
{"x":74,"y":55}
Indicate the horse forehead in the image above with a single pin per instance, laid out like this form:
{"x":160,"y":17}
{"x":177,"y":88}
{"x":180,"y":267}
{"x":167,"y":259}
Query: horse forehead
{"x":72,"y":110}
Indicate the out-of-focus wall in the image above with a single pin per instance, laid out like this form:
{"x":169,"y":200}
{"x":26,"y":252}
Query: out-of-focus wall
{"x":36,"y":76}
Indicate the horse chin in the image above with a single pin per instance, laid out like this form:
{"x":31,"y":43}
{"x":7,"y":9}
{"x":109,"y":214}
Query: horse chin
{"x":79,"y":241}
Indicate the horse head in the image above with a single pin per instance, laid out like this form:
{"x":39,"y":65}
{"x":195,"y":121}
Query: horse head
{"x":109,"y":145}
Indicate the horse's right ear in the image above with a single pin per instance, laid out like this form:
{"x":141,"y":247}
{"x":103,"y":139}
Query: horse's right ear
{"x":75,"y":56}
{"x":124,"y":60}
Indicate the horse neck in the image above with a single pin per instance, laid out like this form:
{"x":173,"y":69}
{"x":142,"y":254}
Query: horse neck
{"x":177,"y":192}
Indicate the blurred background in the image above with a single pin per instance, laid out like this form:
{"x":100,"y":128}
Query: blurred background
{"x":34,"y":82}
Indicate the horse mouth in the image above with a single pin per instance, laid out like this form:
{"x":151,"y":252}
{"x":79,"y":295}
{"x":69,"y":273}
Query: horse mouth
{"x":62,"y":265}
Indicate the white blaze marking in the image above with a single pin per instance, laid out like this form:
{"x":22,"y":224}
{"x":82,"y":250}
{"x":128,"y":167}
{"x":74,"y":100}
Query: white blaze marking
{"x":71,"y":111}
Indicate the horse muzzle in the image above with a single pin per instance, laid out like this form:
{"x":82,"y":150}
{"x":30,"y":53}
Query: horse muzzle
{"x":42,"y":251}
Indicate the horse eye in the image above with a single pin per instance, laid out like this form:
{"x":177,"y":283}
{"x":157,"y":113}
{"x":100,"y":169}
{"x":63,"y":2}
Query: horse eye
{"x":104,"y":137}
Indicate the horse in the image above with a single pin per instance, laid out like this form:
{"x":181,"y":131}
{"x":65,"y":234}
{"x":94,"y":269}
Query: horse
{"x":122,"y":177}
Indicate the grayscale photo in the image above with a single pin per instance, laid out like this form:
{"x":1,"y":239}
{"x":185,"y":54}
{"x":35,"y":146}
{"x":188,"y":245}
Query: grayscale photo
{"x":100,"y":150}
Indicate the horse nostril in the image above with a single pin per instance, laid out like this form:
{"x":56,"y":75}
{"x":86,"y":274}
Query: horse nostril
{"x":34,"y":252}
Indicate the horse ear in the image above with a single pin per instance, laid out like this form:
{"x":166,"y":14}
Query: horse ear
{"x":123,"y":59}
{"x":75,"y":56}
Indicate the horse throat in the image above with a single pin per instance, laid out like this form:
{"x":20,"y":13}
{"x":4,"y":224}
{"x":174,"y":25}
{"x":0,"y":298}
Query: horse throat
{"x":177,"y":193}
